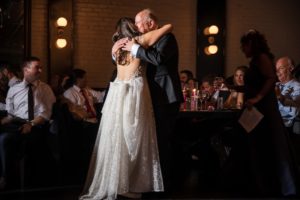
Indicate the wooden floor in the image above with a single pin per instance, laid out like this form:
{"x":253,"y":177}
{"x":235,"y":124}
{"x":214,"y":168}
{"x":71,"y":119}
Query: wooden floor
{"x":209,"y":177}
{"x":193,"y":184}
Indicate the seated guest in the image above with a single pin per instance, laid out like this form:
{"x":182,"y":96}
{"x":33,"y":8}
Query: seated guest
{"x":29,"y":106}
{"x":219,"y":83}
{"x":81,"y":102}
{"x":187,"y":79}
{"x":236,"y":98}
{"x":57,"y":84}
{"x":10,"y":75}
{"x":208,"y":90}
{"x":208,"y":84}
{"x":214,"y":86}
{"x":82,"y":97}
{"x":287,"y":91}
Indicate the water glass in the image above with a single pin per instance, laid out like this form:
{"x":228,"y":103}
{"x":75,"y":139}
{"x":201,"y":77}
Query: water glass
{"x":220,"y":103}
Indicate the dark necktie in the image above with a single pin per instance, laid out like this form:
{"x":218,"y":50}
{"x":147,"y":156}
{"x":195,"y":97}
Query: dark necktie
{"x":87,"y":104}
{"x":30,"y":102}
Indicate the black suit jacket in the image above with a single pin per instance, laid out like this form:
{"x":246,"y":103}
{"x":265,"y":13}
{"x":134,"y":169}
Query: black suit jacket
{"x":162,"y":70}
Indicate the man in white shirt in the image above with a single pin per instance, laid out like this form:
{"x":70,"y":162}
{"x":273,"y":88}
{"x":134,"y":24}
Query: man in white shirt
{"x":81,"y":100}
{"x":287,"y":91}
{"x":82,"y":97}
{"x":28,"y":112}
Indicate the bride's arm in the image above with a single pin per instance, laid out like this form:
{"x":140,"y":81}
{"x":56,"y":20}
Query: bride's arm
{"x":151,"y":37}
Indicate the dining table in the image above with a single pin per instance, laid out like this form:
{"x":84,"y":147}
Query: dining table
{"x":206,"y":133}
{"x":225,"y":114}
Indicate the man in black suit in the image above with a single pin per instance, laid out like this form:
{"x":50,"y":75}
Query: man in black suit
{"x":164,"y":83}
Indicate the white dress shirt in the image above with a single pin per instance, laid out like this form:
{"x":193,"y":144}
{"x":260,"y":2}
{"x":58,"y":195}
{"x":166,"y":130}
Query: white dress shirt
{"x":17,"y":100}
{"x":76,"y":97}
{"x":13,"y":81}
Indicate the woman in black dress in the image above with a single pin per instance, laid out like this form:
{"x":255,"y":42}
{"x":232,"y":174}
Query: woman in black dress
{"x":268,"y":146}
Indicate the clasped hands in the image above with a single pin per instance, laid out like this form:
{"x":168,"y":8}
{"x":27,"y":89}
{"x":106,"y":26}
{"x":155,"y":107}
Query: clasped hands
{"x":24,"y":129}
{"x":287,"y":93}
{"x":124,"y":44}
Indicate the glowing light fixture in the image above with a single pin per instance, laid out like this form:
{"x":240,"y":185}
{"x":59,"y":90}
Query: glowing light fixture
{"x":211,"y":49}
{"x":61,"y":22}
{"x":61,"y":43}
{"x":211,"y":30}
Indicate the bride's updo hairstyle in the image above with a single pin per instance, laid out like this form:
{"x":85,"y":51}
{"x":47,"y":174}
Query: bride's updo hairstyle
{"x":125,"y":28}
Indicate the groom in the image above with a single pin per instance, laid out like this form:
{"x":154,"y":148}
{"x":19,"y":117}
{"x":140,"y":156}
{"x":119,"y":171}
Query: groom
{"x":164,"y":84}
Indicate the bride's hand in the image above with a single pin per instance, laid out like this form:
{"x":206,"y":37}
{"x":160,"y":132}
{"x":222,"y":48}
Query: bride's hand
{"x":128,"y":45}
{"x":118,"y":44}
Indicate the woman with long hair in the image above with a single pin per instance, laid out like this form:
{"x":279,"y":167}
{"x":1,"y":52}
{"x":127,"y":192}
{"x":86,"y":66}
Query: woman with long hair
{"x":271,"y":163}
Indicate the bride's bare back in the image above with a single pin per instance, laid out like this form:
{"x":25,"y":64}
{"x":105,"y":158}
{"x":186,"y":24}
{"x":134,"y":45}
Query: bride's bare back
{"x":125,"y":72}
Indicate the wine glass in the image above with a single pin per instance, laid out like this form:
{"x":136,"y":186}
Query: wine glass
{"x":203,"y":97}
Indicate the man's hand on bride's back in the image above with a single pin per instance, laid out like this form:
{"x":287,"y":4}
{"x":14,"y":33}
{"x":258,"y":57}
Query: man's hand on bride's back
{"x":118,"y":44}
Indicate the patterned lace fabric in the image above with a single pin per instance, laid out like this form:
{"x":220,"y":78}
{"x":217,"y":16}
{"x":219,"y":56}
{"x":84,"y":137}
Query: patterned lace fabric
{"x":125,"y":157}
{"x":139,"y":72}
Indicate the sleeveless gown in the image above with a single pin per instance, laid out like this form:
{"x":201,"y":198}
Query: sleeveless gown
{"x":125,"y":156}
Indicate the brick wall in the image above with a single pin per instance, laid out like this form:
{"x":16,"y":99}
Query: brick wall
{"x":39,"y":33}
{"x":278,"y":20}
{"x":94,"y":24}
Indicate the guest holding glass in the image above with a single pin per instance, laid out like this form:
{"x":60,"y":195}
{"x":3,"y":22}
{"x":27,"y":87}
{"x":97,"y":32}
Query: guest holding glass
{"x":214,"y":89}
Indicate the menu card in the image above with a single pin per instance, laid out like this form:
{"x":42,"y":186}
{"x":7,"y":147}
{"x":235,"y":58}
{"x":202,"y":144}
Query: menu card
{"x":250,"y":118}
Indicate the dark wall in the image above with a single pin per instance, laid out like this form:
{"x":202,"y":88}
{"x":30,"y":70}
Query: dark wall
{"x":14,"y":34}
{"x":210,"y":12}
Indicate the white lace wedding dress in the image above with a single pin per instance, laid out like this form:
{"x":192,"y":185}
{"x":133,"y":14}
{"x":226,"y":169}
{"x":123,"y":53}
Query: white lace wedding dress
{"x":125,"y":157}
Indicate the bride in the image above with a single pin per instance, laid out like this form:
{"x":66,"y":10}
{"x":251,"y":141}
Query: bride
{"x":125,"y":159}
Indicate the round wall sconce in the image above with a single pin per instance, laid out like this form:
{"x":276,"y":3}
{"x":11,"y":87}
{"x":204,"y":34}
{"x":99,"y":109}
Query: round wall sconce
{"x":61,"y":43}
{"x":211,"y":30}
{"x":211,"y":49}
{"x":61,"y":22}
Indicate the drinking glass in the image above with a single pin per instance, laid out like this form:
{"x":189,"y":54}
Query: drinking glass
{"x":203,"y":96}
